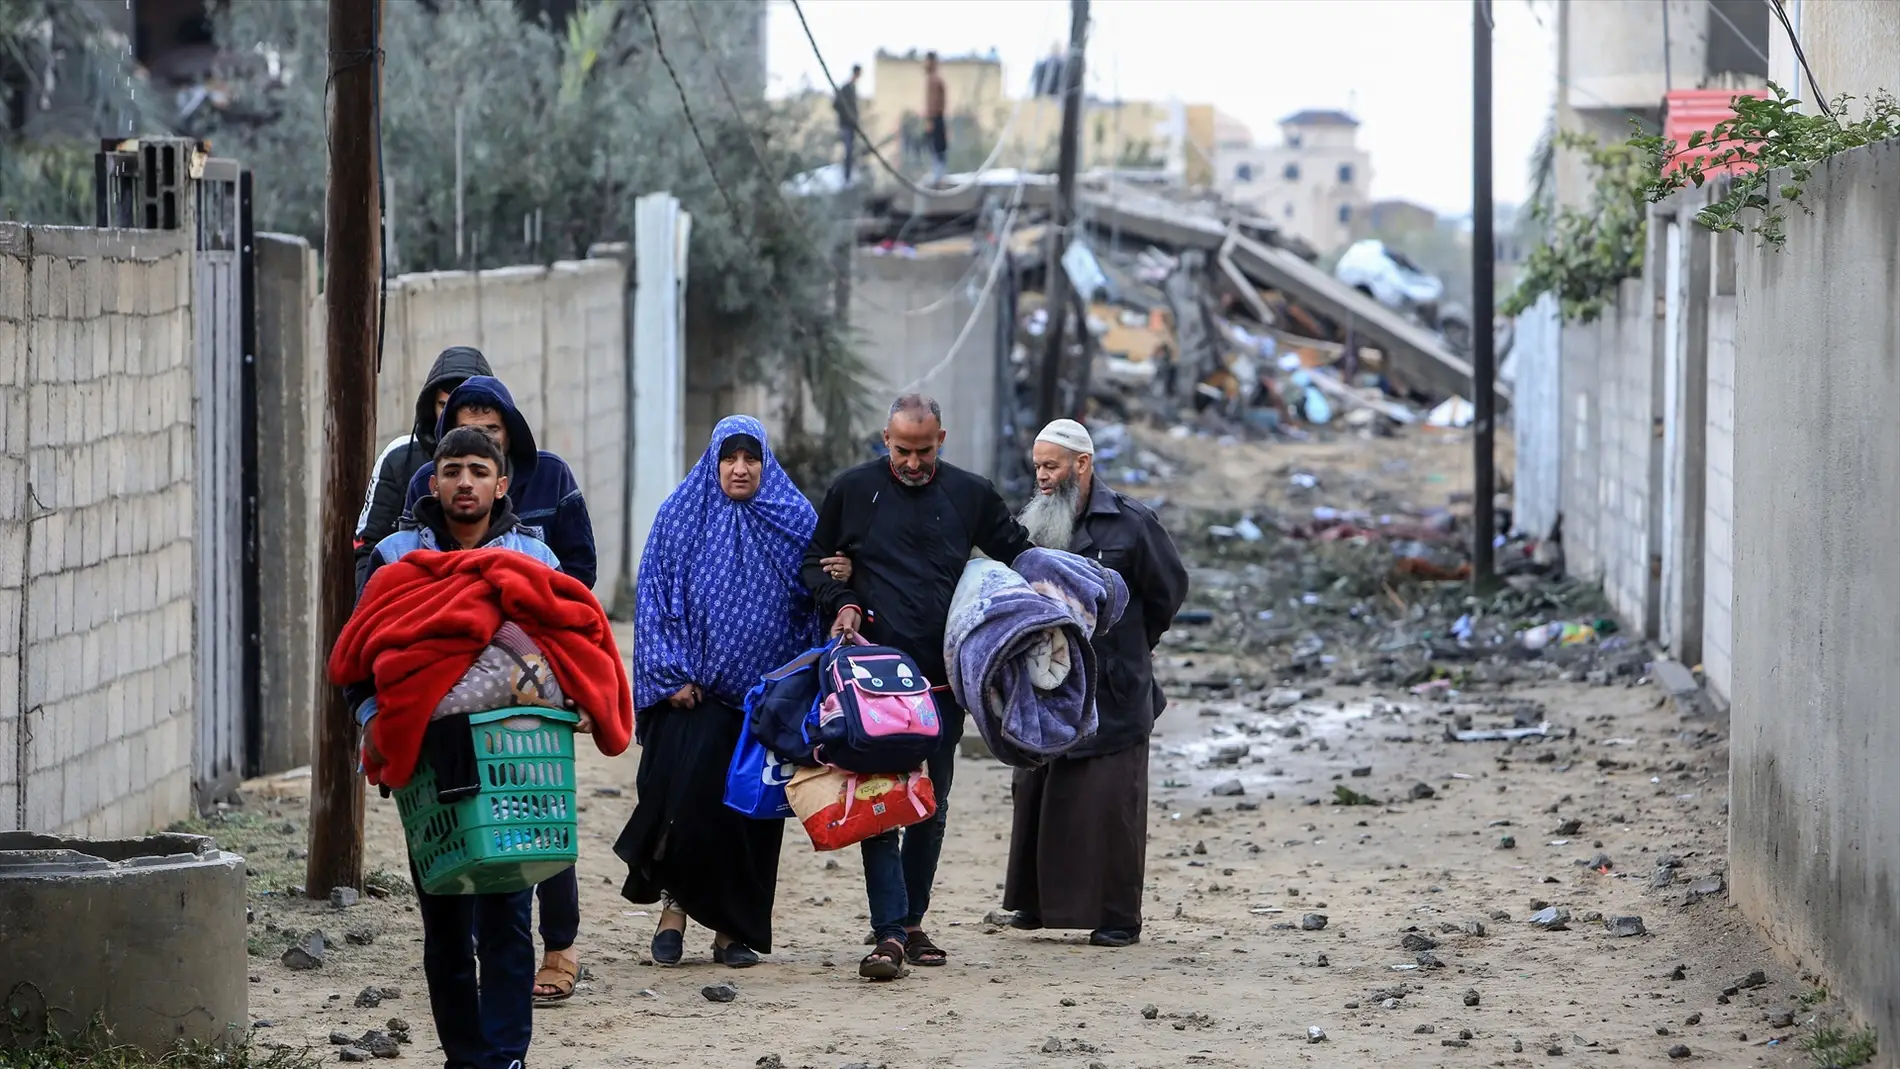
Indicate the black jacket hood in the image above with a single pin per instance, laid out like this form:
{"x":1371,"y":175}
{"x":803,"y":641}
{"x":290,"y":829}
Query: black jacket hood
{"x":456,"y":365}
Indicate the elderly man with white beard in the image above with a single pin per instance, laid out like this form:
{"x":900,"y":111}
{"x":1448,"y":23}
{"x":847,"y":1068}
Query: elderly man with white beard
{"x":1079,"y":843}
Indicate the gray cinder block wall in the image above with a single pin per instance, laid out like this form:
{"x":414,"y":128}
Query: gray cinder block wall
{"x":96,"y":397}
{"x":555,"y":335}
{"x":903,"y":345}
{"x":1814,"y":834}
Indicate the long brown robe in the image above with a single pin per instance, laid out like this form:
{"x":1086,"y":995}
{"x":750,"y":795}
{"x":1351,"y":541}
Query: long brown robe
{"x":1078,"y":847}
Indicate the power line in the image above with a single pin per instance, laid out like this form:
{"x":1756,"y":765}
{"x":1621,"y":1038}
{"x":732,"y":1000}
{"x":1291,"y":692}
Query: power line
{"x":924,"y":191}
{"x":1820,"y":98}
{"x":997,"y":260}
{"x":659,"y":48}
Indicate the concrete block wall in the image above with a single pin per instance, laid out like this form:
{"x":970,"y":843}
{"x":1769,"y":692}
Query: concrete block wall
{"x":1718,"y":568}
{"x":902,"y":347}
{"x":1814,"y":833}
{"x":557,"y":337}
{"x":96,"y":563}
{"x":290,"y":366}
{"x":1624,"y":443}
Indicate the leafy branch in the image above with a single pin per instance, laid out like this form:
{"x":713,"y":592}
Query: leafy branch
{"x":1588,"y":251}
{"x":1766,"y":136}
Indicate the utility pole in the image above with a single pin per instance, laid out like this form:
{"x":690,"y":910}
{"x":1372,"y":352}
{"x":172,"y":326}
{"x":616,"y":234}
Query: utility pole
{"x":352,"y":270}
{"x":1483,"y":333}
{"x":1056,"y":300}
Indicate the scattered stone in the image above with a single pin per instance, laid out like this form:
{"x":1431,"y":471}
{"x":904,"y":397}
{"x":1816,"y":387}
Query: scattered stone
{"x":305,"y":956}
{"x":1315,"y":1034}
{"x":831,"y":865}
{"x":1424,"y":1030}
{"x":1390,"y":1004}
{"x":344,"y":897}
{"x":360,"y":937}
{"x":1678,"y":1052}
{"x":1423,"y":791}
{"x":1428,"y":960}
{"x":354,"y":1054}
{"x":1284,"y":698}
{"x":380,"y":1045}
{"x":1416,"y":942}
{"x":1067,"y":1002}
{"x":1474,"y":927}
{"x":1472,"y":998}
{"x":1352,"y":1005}
{"x":1313,"y":922}
{"x":1517,"y":1046}
{"x":1200,"y":849}
{"x":1707,"y":887}
{"x":1781,"y":1019}
{"x":1150,"y":1012}
{"x":1752,"y":980}
{"x":1625,"y":927}
{"x":1569,"y":827}
{"x":1362,"y":772}
{"x":770,"y":1061}
{"x":369,"y":998}
{"x":1052,"y":1045}
{"x":1551,"y":919}
{"x":393,"y":994}
{"x":398,"y":1028}
{"x":1591,"y":916}
{"x":1662,"y":1029}
{"x":1507,"y":842}
{"x":1692,"y":1020}
{"x":1679,"y":973}
{"x":1601,"y":862}
{"x":1555,"y":1050}
{"x":999,"y":917}
{"x":1663,"y":877}
{"x":1229,"y":789}
{"x":1323,"y":961}
{"x":1501,"y":915}
{"x":341,"y":1039}
{"x":719,"y":992}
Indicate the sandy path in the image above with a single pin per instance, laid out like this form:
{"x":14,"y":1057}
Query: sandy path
{"x":1227,"y":987}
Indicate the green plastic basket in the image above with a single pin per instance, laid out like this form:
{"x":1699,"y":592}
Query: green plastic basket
{"x":520,"y":829}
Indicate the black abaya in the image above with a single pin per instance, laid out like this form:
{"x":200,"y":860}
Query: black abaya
{"x":719,"y":866}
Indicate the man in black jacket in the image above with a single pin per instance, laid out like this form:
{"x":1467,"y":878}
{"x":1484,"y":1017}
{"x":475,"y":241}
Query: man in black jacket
{"x":1079,"y":842}
{"x":403,"y":457}
{"x":892,"y":540}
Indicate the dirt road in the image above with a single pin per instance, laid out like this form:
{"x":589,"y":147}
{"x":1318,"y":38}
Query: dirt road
{"x":1426,"y":957}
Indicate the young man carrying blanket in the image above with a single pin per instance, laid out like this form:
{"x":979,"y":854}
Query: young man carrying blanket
{"x":431,"y":604}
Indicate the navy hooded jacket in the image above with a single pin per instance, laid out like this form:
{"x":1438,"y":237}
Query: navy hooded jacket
{"x":541,"y":488}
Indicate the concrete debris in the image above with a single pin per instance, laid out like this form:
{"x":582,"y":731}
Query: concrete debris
{"x":1315,"y":1034}
{"x":307,"y":955}
{"x":1551,"y":919}
{"x":1313,"y":922}
{"x":719,"y":992}
{"x":343,"y":897}
{"x":1625,"y":927}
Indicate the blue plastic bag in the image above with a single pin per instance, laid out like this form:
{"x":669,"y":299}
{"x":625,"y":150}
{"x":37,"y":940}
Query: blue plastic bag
{"x":756,"y":779}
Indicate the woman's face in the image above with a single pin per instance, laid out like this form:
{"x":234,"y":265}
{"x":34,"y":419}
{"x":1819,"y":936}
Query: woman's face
{"x":739,"y":475}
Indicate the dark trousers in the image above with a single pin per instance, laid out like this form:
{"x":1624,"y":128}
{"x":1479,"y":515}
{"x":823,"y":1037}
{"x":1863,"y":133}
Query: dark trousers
{"x":485,"y":1021}
{"x":850,"y":138}
{"x":900,"y":866}
{"x":560,"y":898}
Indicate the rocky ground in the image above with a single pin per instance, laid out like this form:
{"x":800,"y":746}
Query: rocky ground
{"x":1333,"y":879}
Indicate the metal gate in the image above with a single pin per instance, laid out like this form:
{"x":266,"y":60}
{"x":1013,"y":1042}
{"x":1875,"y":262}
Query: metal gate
{"x":217,"y":309}
{"x":170,"y":184}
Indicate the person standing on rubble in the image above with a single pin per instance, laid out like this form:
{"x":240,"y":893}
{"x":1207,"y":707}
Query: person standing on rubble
{"x":937,"y":134}
{"x":846,"y":105}
{"x":1079,"y":841}
{"x":892,"y":540}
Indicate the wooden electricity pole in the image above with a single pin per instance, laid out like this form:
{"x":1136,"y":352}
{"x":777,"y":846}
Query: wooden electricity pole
{"x":352,"y":270}
{"x":1483,"y":334}
{"x":1056,"y":299}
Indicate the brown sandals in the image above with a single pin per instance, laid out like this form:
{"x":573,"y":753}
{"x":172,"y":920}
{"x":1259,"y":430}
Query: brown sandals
{"x":886,"y":962}
{"x":559,"y":974}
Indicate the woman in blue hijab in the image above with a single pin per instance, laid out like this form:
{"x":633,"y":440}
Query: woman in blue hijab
{"x":719,"y":604}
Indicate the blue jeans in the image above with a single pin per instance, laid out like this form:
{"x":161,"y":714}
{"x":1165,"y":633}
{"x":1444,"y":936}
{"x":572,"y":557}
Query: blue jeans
{"x":485,"y":1022}
{"x":900,"y":866}
{"x":560,"y":898}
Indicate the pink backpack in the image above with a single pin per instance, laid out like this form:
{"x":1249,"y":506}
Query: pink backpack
{"x":877,"y":714}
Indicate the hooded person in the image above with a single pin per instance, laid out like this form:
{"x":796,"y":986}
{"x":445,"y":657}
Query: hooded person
{"x":541,"y":486}
{"x":547,"y":500}
{"x":384,"y":503}
{"x":720,"y":602}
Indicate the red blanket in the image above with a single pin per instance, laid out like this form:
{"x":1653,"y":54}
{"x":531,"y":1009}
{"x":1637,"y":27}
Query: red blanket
{"x":423,"y":620}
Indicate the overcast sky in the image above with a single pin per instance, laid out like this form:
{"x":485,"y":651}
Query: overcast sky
{"x":1402,"y":66}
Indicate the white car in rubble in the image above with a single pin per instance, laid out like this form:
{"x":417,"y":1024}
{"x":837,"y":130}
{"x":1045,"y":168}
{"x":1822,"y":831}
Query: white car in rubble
{"x":1389,"y":277}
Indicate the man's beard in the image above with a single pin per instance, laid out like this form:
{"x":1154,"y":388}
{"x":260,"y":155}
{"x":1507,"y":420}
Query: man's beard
{"x":920,"y":477}
{"x":1050,"y":518}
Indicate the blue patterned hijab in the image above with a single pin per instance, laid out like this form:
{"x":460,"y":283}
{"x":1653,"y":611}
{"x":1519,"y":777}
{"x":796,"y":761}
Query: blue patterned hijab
{"x":720,"y":602}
